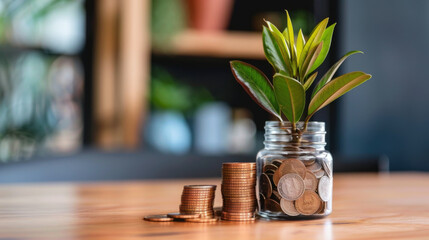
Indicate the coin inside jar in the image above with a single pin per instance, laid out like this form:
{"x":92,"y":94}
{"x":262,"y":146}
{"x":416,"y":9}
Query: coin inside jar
{"x":325,"y":188}
{"x":272,"y":206}
{"x":271,"y":167}
{"x":308,"y":203}
{"x":310,"y":181}
{"x":291,"y":186}
{"x":292,"y":165}
{"x":288,"y":207}
{"x":266,"y":188}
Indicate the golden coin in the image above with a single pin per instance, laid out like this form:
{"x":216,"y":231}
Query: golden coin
{"x":183,"y":216}
{"x":308,"y":203}
{"x":310,"y":181}
{"x":291,"y":186}
{"x":290,"y":165}
{"x":158,"y":218}
{"x":265,"y":185}
{"x":288,"y":207}
{"x":276,"y":176}
{"x":272,"y":206}
{"x":321,"y":209}
{"x":316,"y":166}
{"x":202,"y":220}
{"x":325,"y":188}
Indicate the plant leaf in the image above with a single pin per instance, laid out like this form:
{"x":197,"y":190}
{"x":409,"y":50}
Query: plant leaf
{"x":300,"y":42}
{"x":313,"y":40}
{"x":275,"y":50}
{"x":330,"y":73}
{"x":291,"y":38}
{"x":310,"y":59}
{"x":256,"y":85}
{"x":290,"y":31}
{"x":309,"y":81}
{"x":326,"y":39}
{"x":290,"y":96}
{"x":335,"y":89}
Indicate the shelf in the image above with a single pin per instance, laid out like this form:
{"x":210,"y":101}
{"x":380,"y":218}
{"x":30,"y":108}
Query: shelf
{"x":17,"y":49}
{"x":227,"y":44}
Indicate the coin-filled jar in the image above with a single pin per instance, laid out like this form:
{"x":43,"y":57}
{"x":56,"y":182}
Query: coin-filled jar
{"x":294,"y":172}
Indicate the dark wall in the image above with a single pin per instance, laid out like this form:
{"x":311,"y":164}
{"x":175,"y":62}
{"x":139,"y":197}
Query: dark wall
{"x":390,"y":113}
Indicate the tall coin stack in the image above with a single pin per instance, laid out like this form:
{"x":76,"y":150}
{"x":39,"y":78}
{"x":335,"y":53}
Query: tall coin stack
{"x":238,"y":191}
{"x":198,"y":199}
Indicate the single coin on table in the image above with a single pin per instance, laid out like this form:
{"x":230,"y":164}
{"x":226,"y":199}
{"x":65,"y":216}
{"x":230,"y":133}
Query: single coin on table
{"x":310,"y":181}
{"x":158,"y":218}
{"x":308,"y":203}
{"x":183,"y":216}
{"x":288,"y":207}
{"x":325,"y":188}
{"x":266,"y":187}
{"x":291,"y":186}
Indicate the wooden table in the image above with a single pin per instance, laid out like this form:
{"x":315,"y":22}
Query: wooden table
{"x":365,"y":206}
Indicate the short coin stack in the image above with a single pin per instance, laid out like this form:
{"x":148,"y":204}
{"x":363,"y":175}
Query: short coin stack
{"x":198,"y":199}
{"x":238,"y":191}
{"x":196,"y":206}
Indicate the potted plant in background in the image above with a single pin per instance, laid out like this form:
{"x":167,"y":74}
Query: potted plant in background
{"x":294,"y":171}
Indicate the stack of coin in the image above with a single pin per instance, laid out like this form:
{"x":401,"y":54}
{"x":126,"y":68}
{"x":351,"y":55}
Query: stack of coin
{"x":238,"y":191}
{"x":198,"y":199}
{"x":196,"y":206}
{"x":296,"y":187}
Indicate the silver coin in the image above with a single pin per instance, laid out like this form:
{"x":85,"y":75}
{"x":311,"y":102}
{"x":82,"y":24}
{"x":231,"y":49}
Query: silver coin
{"x":319,"y":173}
{"x":291,"y":186}
{"x":325,"y":188}
{"x":327,"y":168}
{"x":316,"y":166}
{"x":288,"y":207}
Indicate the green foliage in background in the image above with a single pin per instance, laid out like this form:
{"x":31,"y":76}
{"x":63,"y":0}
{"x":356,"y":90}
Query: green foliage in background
{"x":295,"y":61}
{"x":168,"y":18}
{"x":167,"y":93}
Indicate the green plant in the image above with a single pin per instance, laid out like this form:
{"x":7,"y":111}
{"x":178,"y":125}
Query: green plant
{"x":295,"y":62}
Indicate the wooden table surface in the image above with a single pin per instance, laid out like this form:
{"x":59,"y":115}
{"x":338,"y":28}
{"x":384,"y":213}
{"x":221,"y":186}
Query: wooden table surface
{"x":365,"y":206}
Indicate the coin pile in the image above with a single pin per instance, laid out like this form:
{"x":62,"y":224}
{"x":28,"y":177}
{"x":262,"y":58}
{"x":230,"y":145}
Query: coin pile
{"x":198,"y":199}
{"x":196,"y":206}
{"x":238,"y":191}
{"x":296,"y":187}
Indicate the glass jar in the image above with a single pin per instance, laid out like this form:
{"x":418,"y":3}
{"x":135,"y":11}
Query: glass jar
{"x":294,"y":172}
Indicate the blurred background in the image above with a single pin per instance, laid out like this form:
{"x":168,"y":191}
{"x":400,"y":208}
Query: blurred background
{"x":136,"y":89}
